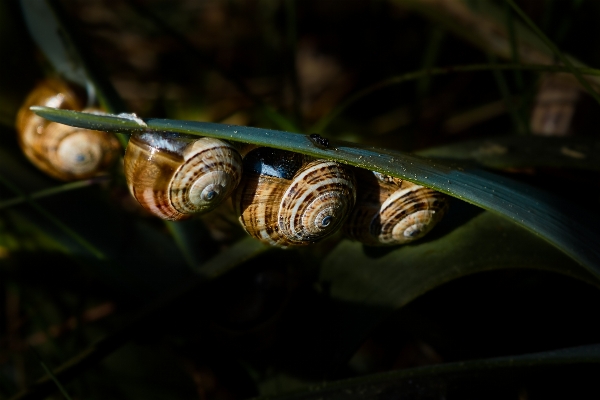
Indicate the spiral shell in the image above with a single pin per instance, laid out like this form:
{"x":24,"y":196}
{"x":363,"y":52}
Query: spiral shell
{"x":62,"y":151}
{"x":175,"y":176}
{"x":287,"y":200}
{"x":390,"y":211}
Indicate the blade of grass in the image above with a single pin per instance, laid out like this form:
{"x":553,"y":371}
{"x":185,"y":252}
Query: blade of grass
{"x":59,"y":385}
{"x":107,"y":95}
{"x":559,"y":222}
{"x":58,"y":223}
{"x":519,"y":122}
{"x":434,"y":381}
{"x":47,"y":32}
{"x":512,"y":36}
{"x":526,"y":95}
{"x":431,"y":54}
{"x":52,"y":191}
{"x":182,"y":240}
{"x":555,"y":50}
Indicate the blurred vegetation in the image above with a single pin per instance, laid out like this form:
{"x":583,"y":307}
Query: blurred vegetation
{"x":120,"y":305}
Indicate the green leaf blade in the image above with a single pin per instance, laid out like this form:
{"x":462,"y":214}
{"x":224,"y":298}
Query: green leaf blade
{"x":368,"y":285}
{"x":434,"y":381}
{"x":557,"y":221}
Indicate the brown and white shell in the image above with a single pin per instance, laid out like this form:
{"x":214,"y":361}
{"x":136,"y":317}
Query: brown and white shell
{"x":287,"y":200}
{"x":390,"y":211}
{"x":175,"y":176}
{"x":62,"y":151}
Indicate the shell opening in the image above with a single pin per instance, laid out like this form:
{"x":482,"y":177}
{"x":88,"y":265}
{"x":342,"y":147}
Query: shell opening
{"x":319,"y":218}
{"x":208,"y":191}
{"x":208,"y":196}
{"x":317,"y":202}
{"x":79,"y":153}
{"x":325,"y":213}
{"x":414,"y":226}
{"x":211,"y":171}
{"x":414,"y":231}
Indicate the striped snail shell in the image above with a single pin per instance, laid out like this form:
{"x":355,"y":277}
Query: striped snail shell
{"x":62,"y":151}
{"x":390,"y":211}
{"x":175,"y":176}
{"x":286,"y":199}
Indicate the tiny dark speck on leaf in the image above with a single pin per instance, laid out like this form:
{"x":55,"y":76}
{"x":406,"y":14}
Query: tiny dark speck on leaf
{"x":319,"y":141}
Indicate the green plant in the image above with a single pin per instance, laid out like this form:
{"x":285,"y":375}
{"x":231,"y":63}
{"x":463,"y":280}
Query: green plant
{"x":153,"y":307}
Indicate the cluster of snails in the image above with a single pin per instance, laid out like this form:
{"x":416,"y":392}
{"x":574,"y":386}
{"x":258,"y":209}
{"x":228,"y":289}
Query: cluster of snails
{"x":281,"y":198}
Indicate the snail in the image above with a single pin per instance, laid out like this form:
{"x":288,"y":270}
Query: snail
{"x":286,"y":199}
{"x":554,"y":105}
{"x":390,"y":211}
{"x":175,"y":176}
{"x":63,"y":152}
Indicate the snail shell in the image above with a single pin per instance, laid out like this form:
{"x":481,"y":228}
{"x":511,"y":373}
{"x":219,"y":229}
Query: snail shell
{"x":286,"y":200}
{"x":390,"y":211}
{"x":62,"y":151}
{"x":175,"y":176}
{"x":555,"y":104}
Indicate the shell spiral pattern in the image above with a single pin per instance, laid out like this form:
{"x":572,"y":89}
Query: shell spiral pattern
{"x":285,"y":200}
{"x":390,"y":211}
{"x":175,"y":176}
{"x":64,"y":152}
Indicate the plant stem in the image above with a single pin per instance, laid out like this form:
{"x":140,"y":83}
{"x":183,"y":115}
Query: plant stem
{"x":52,"y":191}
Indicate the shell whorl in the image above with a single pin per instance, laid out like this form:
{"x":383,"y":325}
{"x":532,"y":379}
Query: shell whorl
{"x":390,"y":211}
{"x":175,"y":176}
{"x":285,"y":200}
{"x":64,"y":152}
